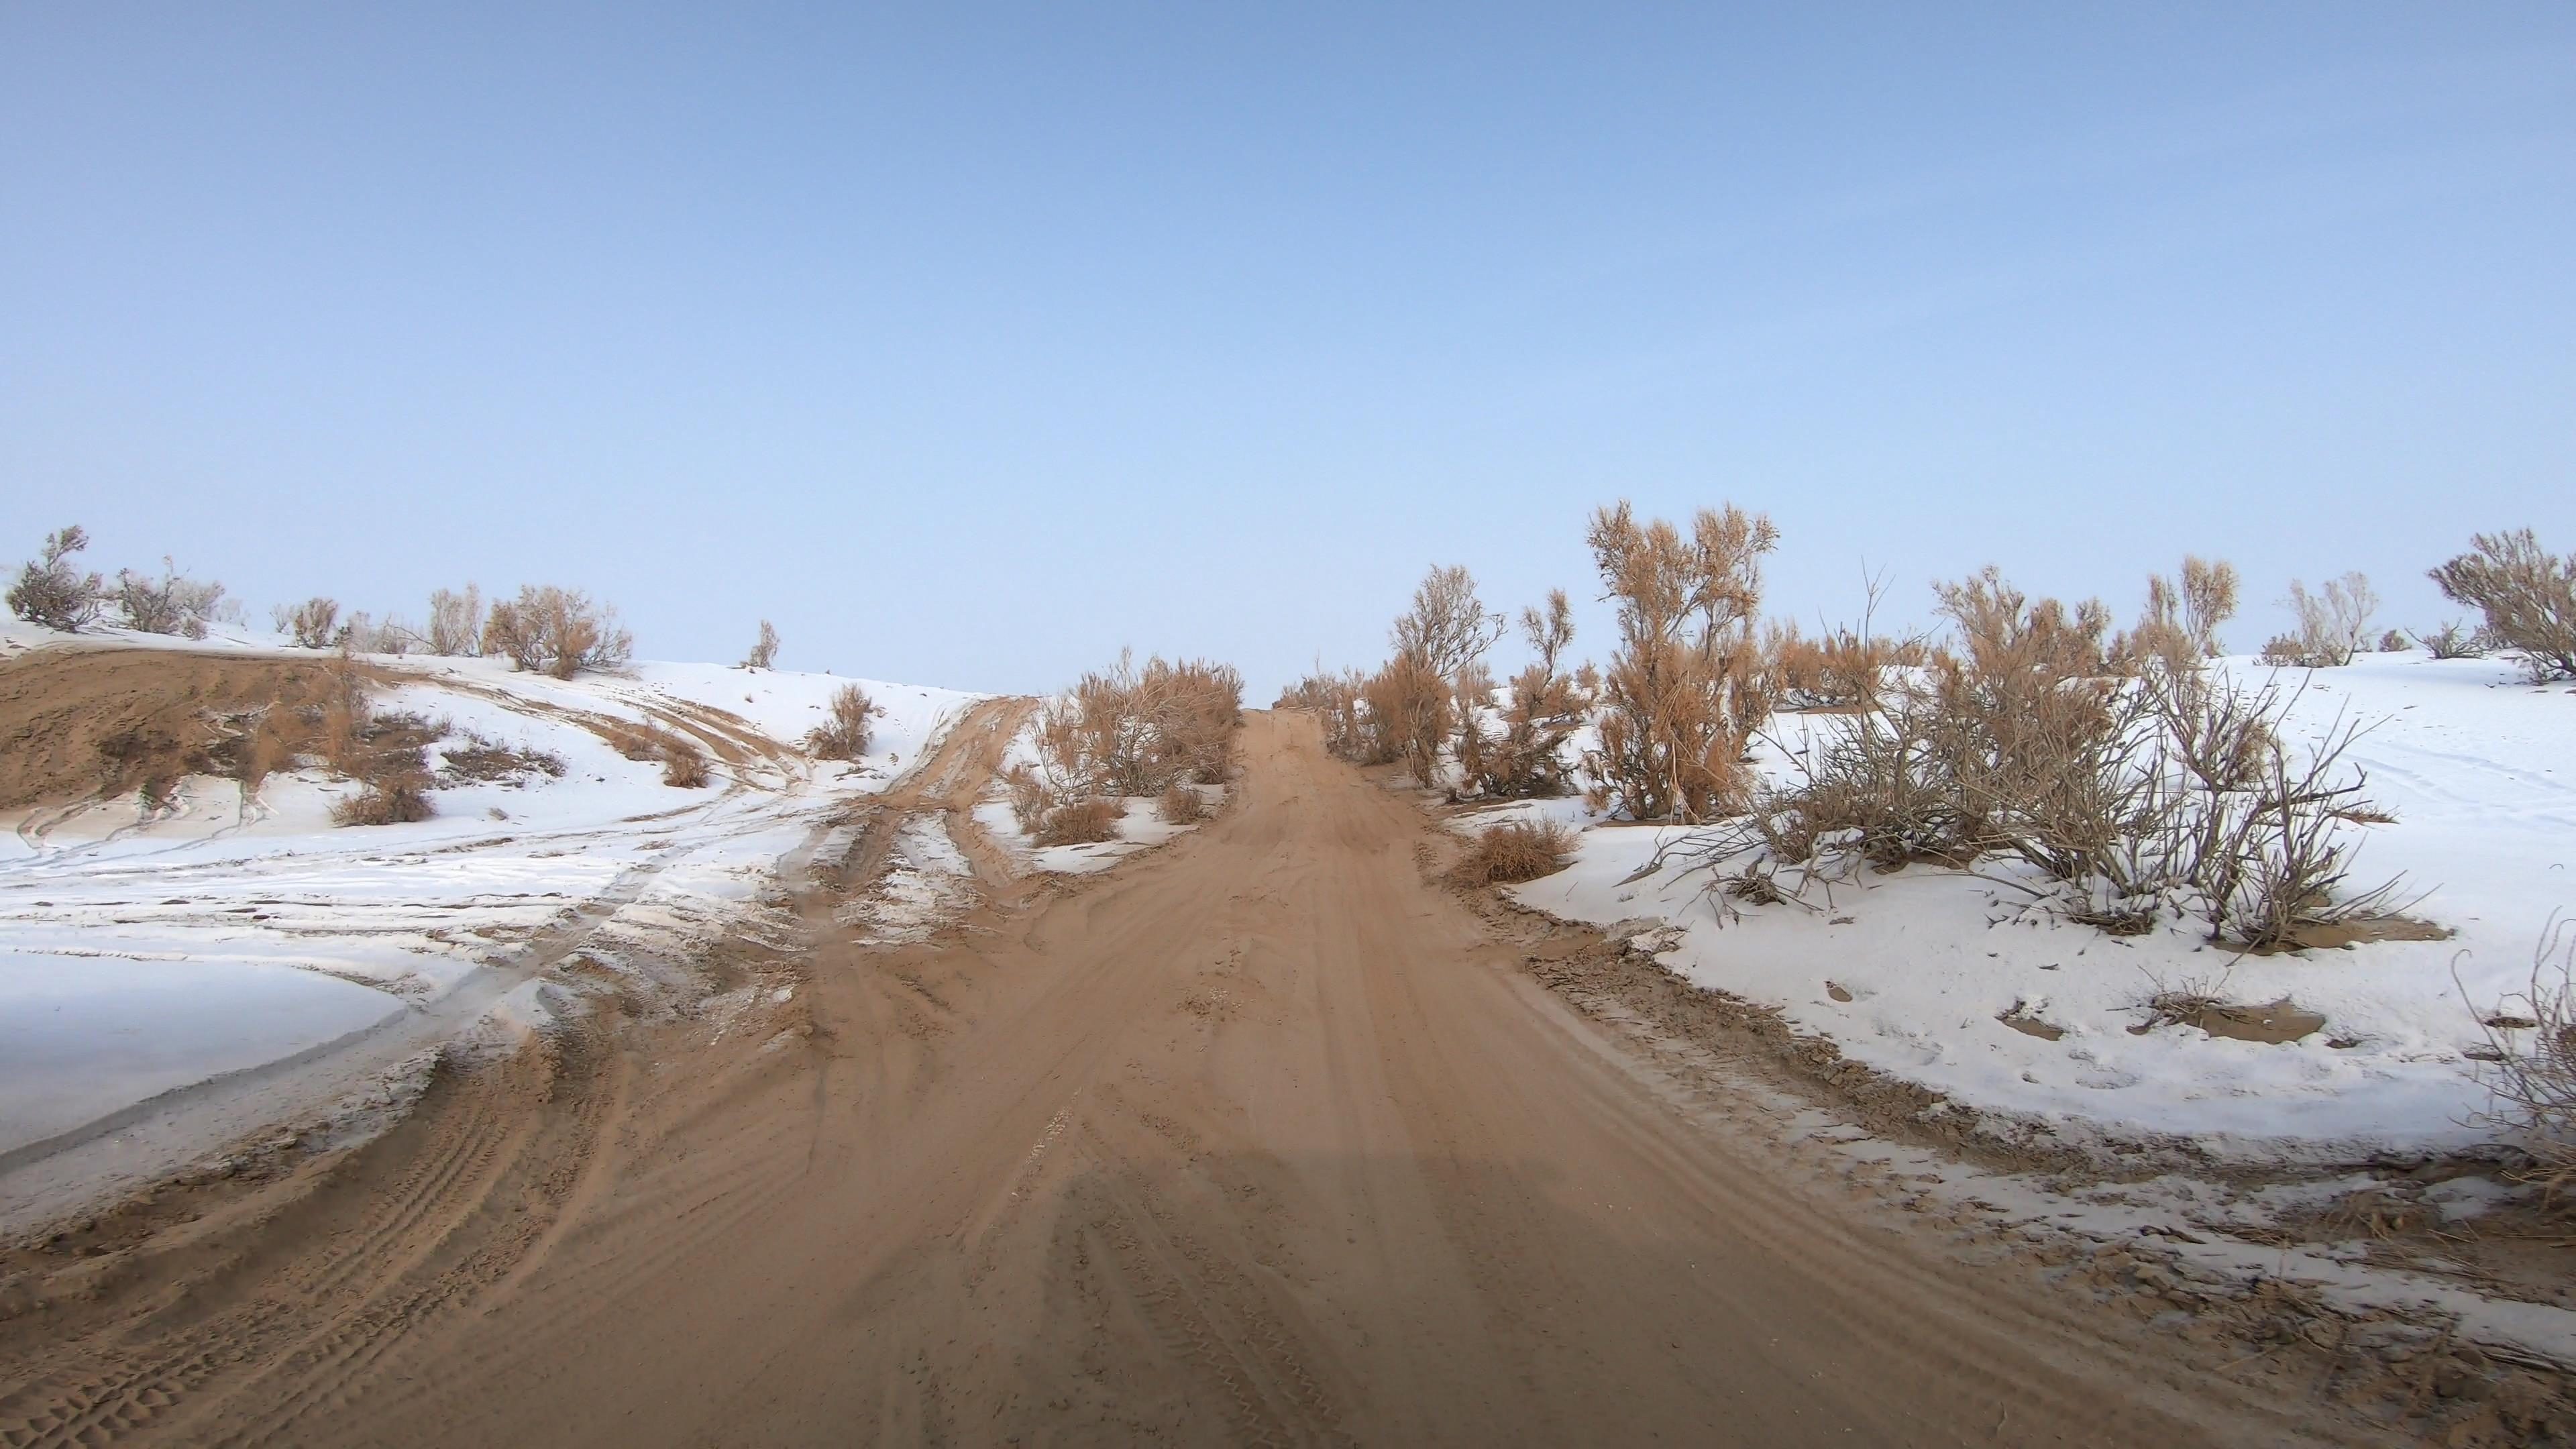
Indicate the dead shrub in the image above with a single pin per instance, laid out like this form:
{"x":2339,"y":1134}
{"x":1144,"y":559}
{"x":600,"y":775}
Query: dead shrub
{"x":1545,"y":709}
{"x":1336,"y":701}
{"x":684,"y":764}
{"x":843,"y":735}
{"x":1408,"y":712}
{"x":455,"y":622}
{"x":313,"y":624}
{"x":387,"y":754}
{"x":2332,"y":624}
{"x":556,"y":631}
{"x":482,"y":761}
{"x":1516,"y":850}
{"x":2128,"y":796}
{"x":1031,"y":797}
{"x":390,"y":801}
{"x":1080,"y":822}
{"x":170,"y":604}
{"x":2527,"y":595}
{"x":764,"y":650}
{"x":1686,"y":688}
{"x":49,"y":591}
{"x":2392,"y":642}
{"x":1134,"y":731}
{"x":2189,"y":612}
{"x":2452,"y":641}
{"x":2531,"y":1045}
{"x":1182,"y":805}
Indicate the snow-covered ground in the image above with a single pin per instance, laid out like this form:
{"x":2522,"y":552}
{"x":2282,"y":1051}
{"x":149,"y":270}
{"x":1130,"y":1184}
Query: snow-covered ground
{"x":148,"y":954}
{"x":1941,"y":978}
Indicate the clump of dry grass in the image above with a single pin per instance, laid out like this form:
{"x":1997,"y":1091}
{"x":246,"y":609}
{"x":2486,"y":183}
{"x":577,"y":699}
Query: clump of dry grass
{"x":683,"y":761}
{"x":390,"y":801}
{"x":484,"y":760}
{"x":2527,"y":595}
{"x":1182,"y":805}
{"x":1080,"y":822}
{"x":843,"y":735}
{"x":556,"y":631}
{"x":1516,"y":850}
{"x":684,"y":764}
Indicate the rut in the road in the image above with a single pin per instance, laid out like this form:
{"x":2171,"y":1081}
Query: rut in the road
{"x":1262,"y":1138}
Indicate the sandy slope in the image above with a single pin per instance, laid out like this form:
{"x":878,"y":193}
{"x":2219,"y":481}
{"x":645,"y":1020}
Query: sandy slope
{"x":1259,"y":1139}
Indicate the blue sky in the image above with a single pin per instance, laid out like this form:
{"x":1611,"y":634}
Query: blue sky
{"x":969,"y":343}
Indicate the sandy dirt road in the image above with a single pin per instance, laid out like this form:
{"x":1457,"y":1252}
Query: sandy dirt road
{"x":1261,"y":1139}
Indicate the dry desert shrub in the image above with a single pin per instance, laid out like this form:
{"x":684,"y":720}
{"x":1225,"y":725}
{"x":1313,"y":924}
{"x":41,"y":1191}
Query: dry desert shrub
{"x":2531,"y":1040}
{"x":1335,"y":701}
{"x":1132,"y":731}
{"x":2129,"y":795}
{"x":2452,"y":641}
{"x":1516,"y":850}
{"x":1080,"y":822}
{"x":455,"y":622}
{"x":2333,"y":623}
{"x":556,"y":631}
{"x":1408,"y":710}
{"x":764,"y":650}
{"x":1182,"y":805}
{"x":1545,"y":709}
{"x":2527,"y":595}
{"x":2182,"y":617}
{"x":393,"y":800}
{"x":684,"y":764}
{"x":51,"y":592}
{"x":843,"y":735}
{"x":1031,"y":797}
{"x":2392,"y":642}
{"x":313,"y":624}
{"x":1686,"y":687}
{"x":170,"y":604}
{"x":480,"y":759}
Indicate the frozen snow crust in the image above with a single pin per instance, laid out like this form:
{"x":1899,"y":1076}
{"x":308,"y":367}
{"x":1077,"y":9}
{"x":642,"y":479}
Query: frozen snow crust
{"x":1915,"y":973}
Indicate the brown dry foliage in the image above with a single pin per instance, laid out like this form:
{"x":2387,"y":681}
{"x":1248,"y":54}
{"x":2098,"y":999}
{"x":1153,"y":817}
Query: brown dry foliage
{"x":684,"y":764}
{"x":1545,"y":709}
{"x":455,"y":621}
{"x":556,"y":631}
{"x":844,"y":733}
{"x":1686,"y":687}
{"x":1080,"y":822}
{"x":1408,"y":709}
{"x":313,"y":624}
{"x":1182,"y":805}
{"x":2527,"y":595}
{"x":1516,"y":850}
{"x":2532,"y":1039}
{"x":1132,"y":731}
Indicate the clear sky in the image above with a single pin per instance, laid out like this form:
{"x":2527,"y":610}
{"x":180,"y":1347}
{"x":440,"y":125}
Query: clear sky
{"x":968,"y":343}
